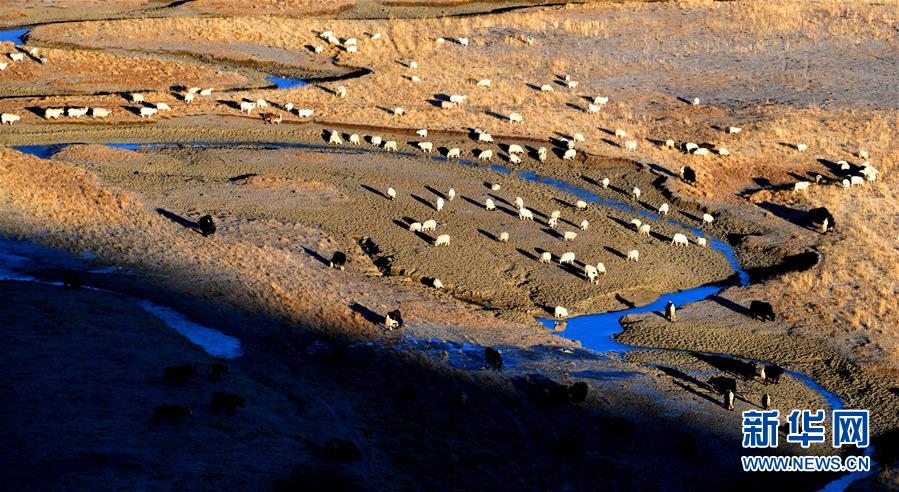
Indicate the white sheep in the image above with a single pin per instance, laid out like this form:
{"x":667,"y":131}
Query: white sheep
{"x":454,"y":153}
{"x":416,"y":227}
{"x":695,"y":101}
{"x":519,"y":202}
{"x":663,"y":209}
{"x":376,"y":140}
{"x":137,"y":97}
{"x":569,"y":236}
{"x":702,"y":152}
{"x":593,"y":108}
{"x":845,"y":183}
{"x":633,"y":255}
{"x":458,"y":99}
{"x":560,"y":312}
{"x":546,"y":88}
{"x":801,"y":186}
{"x":423,"y":133}
{"x":416,"y":79}
{"x":503,"y":237}
{"x":193,"y":90}
{"x":863,"y":154}
{"x":546,"y":257}
{"x":341,"y":91}
{"x":305,"y":113}
{"x":571,"y":84}
{"x":163,"y":107}
{"x":429,"y":225}
{"x":570,"y":144}
{"x":206,"y":92}
{"x":100,"y":112}
{"x":690,"y":147}
{"x":645,"y":229}
{"x":463,"y":41}
{"x":636,"y":193}
{"x":514,"y":159}
{"x":247,"y":107}
{"x":870,"y":172}
{"x":636,"y":223}
{"x":390,"y":146}
{"x":542,"y":151}
{"x":376,"y":36}
{"x":844,"y":166}
{"x":288,"y":107}
{"x":489,"y":205}
{"x":516,"y":149}
{"x":567,"y":258}
{"x":442,"y":240}
{"x":600,"y":100}
{"x":261,"y":103}
{"x":630,"y":145}
{"x":620,"y":133}
{"x":438,"y":204}
{"x":601,"y":268}
{"x":188,"y":98}
{"x":856,"y":180}
{"x":391,"y":193}
{"x":437,"y":283}
{"x":413,"y":65}
{"x":485,"y":155}
{"x":585,"y":224}
{"x":525,"y":214}
{"x":147,"y":112}
{"x":451,"y":194}
{"x":669,"y":144}
{"x":76,"y":112}
{"x":733,"y":130}
{"x":556,"y":214}
{"x":707,"y":218}
{"x":350,"y":42}
{"x":446,"y":105}
{"x":9,"y":118}
{"x":53,"y":113}
{"x":679,"y":240}
{"x":398,"y":111}
{"x":485,"y":137}
{"x":553,"y":222}
{"x":426,"y":146}
{"x":701,"y":241}
{"x":484,"y":83}
{"x":579,"y":137}
{"x":581,"y":205}
{"x":591,"y":273}
{"x":723,"y":151}
{"x":516,"y":118}
{"x":3,"y":66}
{"x":801,"y":147}
{"x":605,"y":182}
{"x":495,"y":187}
{"x":355,"y":140}
{"x":334,"y":138}
{"x":569,"y":154}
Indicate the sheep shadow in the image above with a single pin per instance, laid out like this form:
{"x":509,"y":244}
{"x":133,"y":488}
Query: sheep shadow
{"x":788,"y":145}
{"x":662,"y":170}
{"x":314,"y":254}
{"x":690,"y":216}
{"x":733,"y":306}
{"x":433,"y":190}
{"x":229,"y":103}
{"x":425,"y":202}
{"x":385,"y":109}
{"x":575,"y":107}
{"x":499,"y":199}
{"x":746,"y":370}
{"x":37,"y":111}
{"x":685,"y":100}
{"x":686,"y":378}
{"x":373,"y":190}
{"x":367,"y":314}
{"x":488,"y":235}
{"x":794,"y":216}
{"x":534,"y":87}
{"x":527,"y":254}
{"x":241,"y":177}
{"x":612,"y":142}
{"x":615,"y":252}
{"x":182,"y":221}
{"x":552,"y":232}
{"x":496,"y":115}
{"x":623,"y":223}
{"x":564,"y":203}
{"x":472,"y":201}
{"x":625,"y":302}
{"x":134,"y":109}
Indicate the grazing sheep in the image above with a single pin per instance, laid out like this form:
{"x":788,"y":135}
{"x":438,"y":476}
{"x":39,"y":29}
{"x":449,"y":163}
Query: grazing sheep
{"x":171,"y":413}
{"x":546,"y":257}
{"x":630,"y":146}
{"x":870,"y":172}
{"x":437,"y":284}
{"x":416,"y":227}
{"x":338,"y":260}
{"x":605,"y":182}
{"x":525,"y":214}
{"x":485,"y":137}
{"x":856,"y":180}
{"x":352,"y":49}
{"x":514,"y":159}
{"x":702,"y":152}
{"x":99,"y":112}
{"x":206,"y":92}
{"x":863,"y":154}
{"x":679,"y":240}
{"x":495,"y":187}
{"x":581,"y":205}
{"x":761,"y":310}
{"x":707,"y":218}
{"x":569,"y":154}
{"x":423,"y":133}
{"x":585,"y":224}
{"x":458,"y":99}
{"x":354,"y":139}
{"x":484,"y":83}
{"x":844,"y":166}
{"x":729,"y":400}
{"x":261,"y":103}
{"x":3,"y":66}
{"x":426,"y":146}
{"x":9,"y":118}
{"x":147,"y":112}
{"x":567,"y":258}
{"x":733,"y":130}
{"x":671,"y":311}
{"x":579,"y":137}
{"x":542,"y":151}
{"x":193,"y":90}
{"x":334,"y":138}
{"x":376,"y":36}
{"x":591,"y":273}
{"x":620,"y":133}
{"x":546,"y":88}
{"x":163,"y":107}
{"x":601,"y":268}
{"x":636,"y":223}
{"x":503,"y":237}
{"x":633,"y":255}
{"x":188,"y":98}
{"x":493,"y":359}
{"x":644,"y":229}
{"x":801,"y":186}
{"x":446,"y":105}
{"x":593,"y":108}
{"x":390,"y":146}
{"x":416,"y":78}
{"x":137,"y":97}
{"x":695,"y":101}
{"x":429,"y":225}
{"x":669,"y":144}
{"x":247,"y":107}
{"x":663,"y":209}
{"x":635,"y":193}
{"x":288,"y":107}
{"x":489,"y":205}
{"x":569,"y":143}
{"x":569,"y":236}
{"x":454,"y":153}
{"x":571,"y":84}
{"x":845,"y":183}
{"x":560,"y":312}
{"x":340,"y":91}
{"x":442,"y":240}
{"x":690,"y":147}
{"x":516,"y":118}
{"x":76,"y":112}
{"x":723,"y":151}
{"x":600,"y":100}
{"x":439,"y":204}
{"x":305,"y":113}
{"x":556,"y":214}
{"x":485,"y":155}
{"x":224,"y":402}
{"x":801,"y":147}
{"x":398,"y":111}
{"x":391,"y":193}
{"x":53,"y":113}
{"x":701,"y":241}
{"x":16,"y":57}
{"x":553,"y":222}
{"x":516,"y":149}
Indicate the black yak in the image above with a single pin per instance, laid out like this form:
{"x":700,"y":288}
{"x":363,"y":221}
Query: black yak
{"x":71,"y":279}
{"x":817,"y":216}
{"x":338,"y":260}
{"x":493,"y":359}
{"x":178,"y":374}
{"x":216,"y":371}
{"x":688,"y":174}
{"x":773,"y":373}
{"x":761,"y":310}
{"x":577,"y":392}
{"x":226,"y":402}
{"x":171,"y":413}
{"x":207,"y":226}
